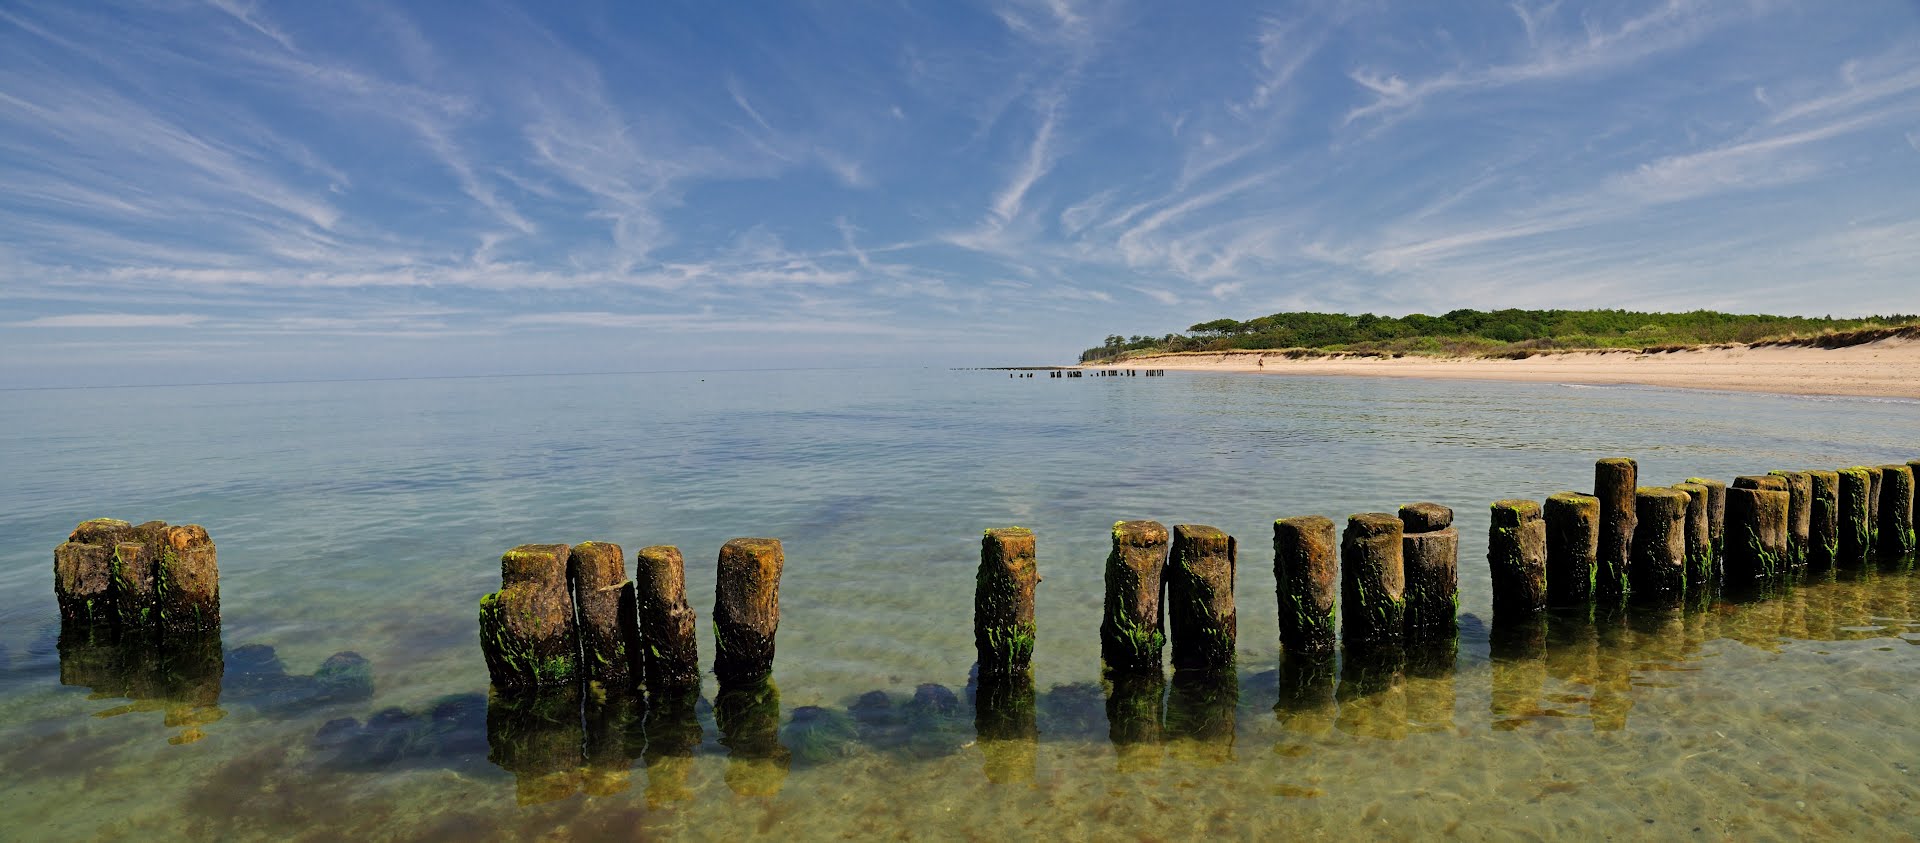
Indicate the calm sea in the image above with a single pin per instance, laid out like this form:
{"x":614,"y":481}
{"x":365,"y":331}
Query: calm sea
{"x":369,"y":517}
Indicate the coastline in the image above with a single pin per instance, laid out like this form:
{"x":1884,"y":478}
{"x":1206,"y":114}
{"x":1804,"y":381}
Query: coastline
{"x":1887,"y":368}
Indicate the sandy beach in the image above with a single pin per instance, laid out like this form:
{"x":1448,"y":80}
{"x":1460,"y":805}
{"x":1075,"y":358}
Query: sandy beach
{"x":1887,"y":368}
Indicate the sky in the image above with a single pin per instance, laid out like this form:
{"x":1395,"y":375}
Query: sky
{"x":231,"y":190}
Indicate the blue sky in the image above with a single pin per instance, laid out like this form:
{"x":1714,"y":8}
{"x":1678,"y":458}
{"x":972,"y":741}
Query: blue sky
{"x":235,"y":190}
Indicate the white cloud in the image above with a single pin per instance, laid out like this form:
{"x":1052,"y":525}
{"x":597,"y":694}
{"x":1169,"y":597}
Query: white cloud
{"x":113,"y":320}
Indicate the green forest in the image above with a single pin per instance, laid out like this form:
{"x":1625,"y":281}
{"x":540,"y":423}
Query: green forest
{"x":1497,"y":333}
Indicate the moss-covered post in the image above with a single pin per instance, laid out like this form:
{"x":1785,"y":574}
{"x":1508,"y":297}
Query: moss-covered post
{"x":1130,"y":627}
{"x":1659,"y":569}
{"x":1372,"y":581}
{"x":1430,"y":555}
{"x":188,"y":581}
{"x":1716,"y":514}
{"x":1517,"y":557}
{"x":1699,"y":540}
{"x":1877,"y":477}
{"x":1896,"y":510}
{"x":1201,"y":620}
{"x":746,"y":609}
{"x":669,"y":645}
{"x":1823,"y":528}
{"x":1306,"y":570}
{"x":1856,"y":532}
{"x":1003,"y":629}
{"x":1573,"y":541}
{"x":1614,"y":482}
{"x":1756,"y":533}
{"x":1799,"y":514}
{"x":526,"y":628}
{"x":603,"y":602}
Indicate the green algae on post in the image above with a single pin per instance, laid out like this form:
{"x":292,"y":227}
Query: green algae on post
{"x":603,"y":602}
{"x":1372,"y":580}
{"x":1573,"y":540}
{"x":1799,"y":515}
{"x":1131,"y":639}
{"x":1003,"y":628}
{"x":1699,"y":540}
{"x":1430,"y":557}
{"x":1202,"y":624}
{"x":1614,"y":482}
{"x":1659,"y":568}
{"x":669,"y":644}
{"x":746,"y":609}
{"x":526,"y":628}
{"x":1823,"y":525}
{"x":1517,"y":558}
{"x":1306,"y":569}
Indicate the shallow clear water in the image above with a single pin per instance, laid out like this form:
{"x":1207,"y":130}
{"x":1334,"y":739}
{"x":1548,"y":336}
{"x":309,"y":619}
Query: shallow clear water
{"x":369,"y":517}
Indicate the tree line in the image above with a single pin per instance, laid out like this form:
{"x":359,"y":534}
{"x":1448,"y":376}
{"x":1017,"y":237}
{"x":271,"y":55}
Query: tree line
{"x":1479,"y":332}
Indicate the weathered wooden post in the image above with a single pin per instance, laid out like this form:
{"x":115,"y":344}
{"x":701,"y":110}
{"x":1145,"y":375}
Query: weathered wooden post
{"x":746,"y":609}
{"x":1517,"y":557}
{"x":83,"y":568}
{"x":1130,"y":626}
{"x":1896,"y":510}
{"x":1306,"y":569}
{"x":1716,"y":514}
{"x":1699,"y":539}
{"x":1756,"y":531}
{"x":1823,"y":529}
{"x":1372,"y":581}
{"x":188,"y":581}
{"x":136,"y":581}
{"x":1200,"y":614}
{"x":603,"y":602}
{"x":670,"y":647}
{"x":1430,"y":556}
{"x":1799,"y":515}
{"x":526,"y":628}
{"x":1659,"y":544}
{"x":1877,"y":477}
{"x":1856,"y":532}
{"x":1003,"y":628}
{"x":1573,"y":541}
{"x":1614,"y":482}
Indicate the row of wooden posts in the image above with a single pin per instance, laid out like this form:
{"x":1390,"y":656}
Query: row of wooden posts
{"x":569,"y":613}
{"x":1102,"y":373}
{"x":113,"y":575}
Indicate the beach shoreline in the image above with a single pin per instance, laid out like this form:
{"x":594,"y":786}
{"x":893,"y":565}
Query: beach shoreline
{"x":1887,"y":368}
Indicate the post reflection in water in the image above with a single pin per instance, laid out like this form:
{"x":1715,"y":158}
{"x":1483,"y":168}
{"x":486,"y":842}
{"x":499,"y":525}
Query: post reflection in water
{"x":1201,"y":708}
{"x":563,"y":740}
{"x":180,"y":678}
{"x":749,"y":719}
{"x":1373,"y":692}
{"x":1306,"y":704}
{"x":1006,"y":724}
{"x":1430,"y":696}
{"x":1136,"y":709}
{"x":672,"y":733}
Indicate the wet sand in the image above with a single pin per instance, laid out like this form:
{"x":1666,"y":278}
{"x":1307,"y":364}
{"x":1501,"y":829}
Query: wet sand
{"x":1887,"y":368}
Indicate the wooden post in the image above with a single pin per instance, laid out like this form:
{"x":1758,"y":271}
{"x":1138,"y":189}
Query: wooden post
{"x":1659,"y":544}
{"x":1573,"y":541}
{"x":1699,"y":539}
{"x":603,"y":600}
{"x":1614,"y":482}
{"x":83,"y":568}
{"x":1306,"y":569}
{"x":1130,"y":628}
{"x":1756,"y":532}
{"x":1430,"y":556}
{"x":746,"y":609}
{"x":1517,"y":557}
{"x":1823,"y":530}
{"x":1877,"y":476}
{"x":1003,"y":628}
{"x":1896,"y":510}
{"x":1372,"y":581}
{"x":1201,"y":619}
{"x":526,"y":628}
{"x":1716,"y":514}
{"x":188,"y":581}
{"x":1856,"y":531}
{"x":1799,"y":515}
{"x":670,"y":647}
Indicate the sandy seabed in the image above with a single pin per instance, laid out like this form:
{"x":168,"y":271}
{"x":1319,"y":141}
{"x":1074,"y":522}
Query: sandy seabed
{"x":1888,"y":368}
